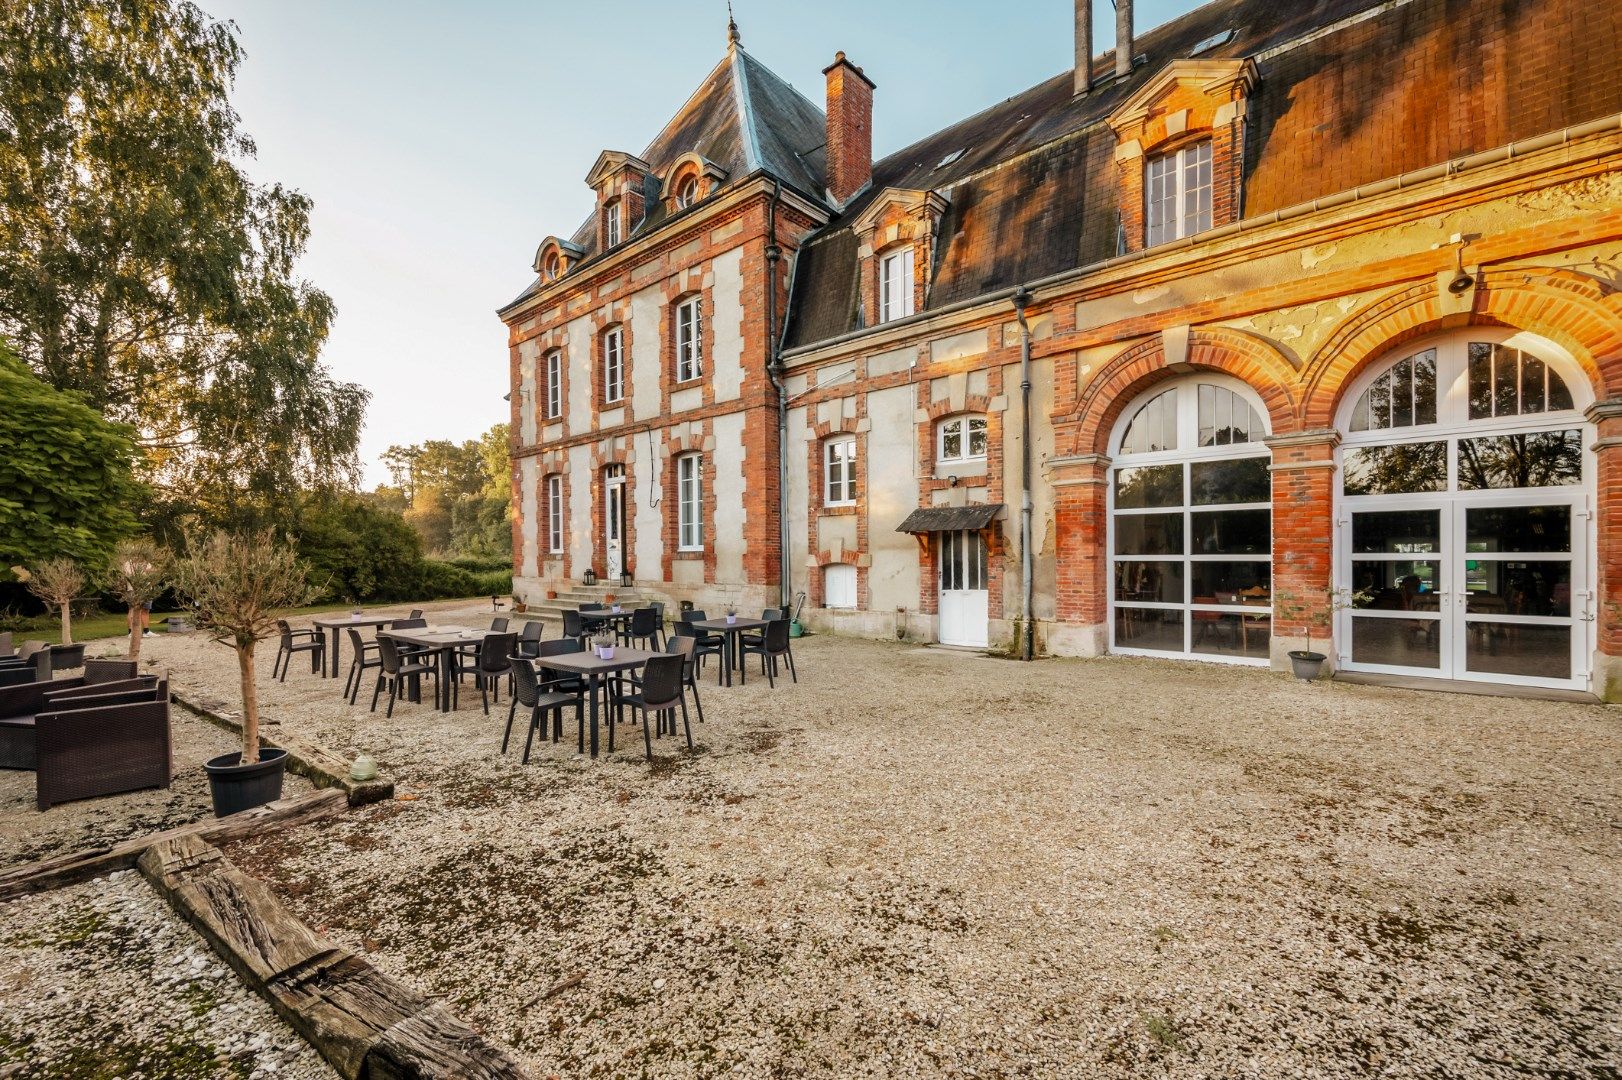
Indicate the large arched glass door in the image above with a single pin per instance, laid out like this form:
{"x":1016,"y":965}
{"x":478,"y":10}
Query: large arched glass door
{"x":1191,"y":524}
{"x":1463,"y":531}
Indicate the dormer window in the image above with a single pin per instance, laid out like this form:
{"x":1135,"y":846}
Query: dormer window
{"x":552,"y":269}
{"x":611,"y":224}
{"x":1177,"y":194}
{"x":686,"y":192}
{"x":895,"y":285}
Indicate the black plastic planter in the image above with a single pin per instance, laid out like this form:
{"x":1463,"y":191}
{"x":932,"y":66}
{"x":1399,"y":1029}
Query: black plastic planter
{"x":238,"y":787}
{"x":1307,"y":665}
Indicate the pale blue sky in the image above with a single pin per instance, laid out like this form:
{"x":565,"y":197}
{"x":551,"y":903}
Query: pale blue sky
{"x":441,"y":142}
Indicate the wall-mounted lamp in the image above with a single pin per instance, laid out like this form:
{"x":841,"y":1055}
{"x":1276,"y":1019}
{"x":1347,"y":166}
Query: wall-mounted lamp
{"x":952,"y":481}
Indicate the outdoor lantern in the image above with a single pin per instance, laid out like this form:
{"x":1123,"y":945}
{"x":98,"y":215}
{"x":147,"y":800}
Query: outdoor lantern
{"x":591,"y":576}
{"x":626,"y":580}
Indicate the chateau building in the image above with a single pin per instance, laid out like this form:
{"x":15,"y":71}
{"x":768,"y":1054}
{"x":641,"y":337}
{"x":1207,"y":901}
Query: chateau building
{"x":1280,"y":327}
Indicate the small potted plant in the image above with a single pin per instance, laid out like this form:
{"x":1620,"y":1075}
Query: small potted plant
{"x":605,"y":648}
{"x":732,"y":614}
{"x":551,"y":594}
{"x":240,"y":585}
{"x":57,"y":582}
{"x":137,"y":574}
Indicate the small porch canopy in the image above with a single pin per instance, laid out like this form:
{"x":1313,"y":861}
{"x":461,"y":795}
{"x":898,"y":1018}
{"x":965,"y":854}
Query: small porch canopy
{"x":933,"y":519}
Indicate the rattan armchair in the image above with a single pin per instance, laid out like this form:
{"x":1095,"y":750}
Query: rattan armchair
{"x":103,"y":744}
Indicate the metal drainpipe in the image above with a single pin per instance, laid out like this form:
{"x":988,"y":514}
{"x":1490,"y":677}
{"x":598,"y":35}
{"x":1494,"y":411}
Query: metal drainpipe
{"x":774,"y":371}
{"x":1027,"y":644}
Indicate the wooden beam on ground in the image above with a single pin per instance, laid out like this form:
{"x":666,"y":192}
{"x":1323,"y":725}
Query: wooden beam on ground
{"x":363,"y":1022}
{"x":322,"y":767}
{"x":82,"y":866}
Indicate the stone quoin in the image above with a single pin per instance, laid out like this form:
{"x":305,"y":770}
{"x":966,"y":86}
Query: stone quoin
{"x":1324,"y":329}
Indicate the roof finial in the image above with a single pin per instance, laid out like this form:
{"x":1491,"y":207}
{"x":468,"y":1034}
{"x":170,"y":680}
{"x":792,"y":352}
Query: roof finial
{"x":733,"y":37}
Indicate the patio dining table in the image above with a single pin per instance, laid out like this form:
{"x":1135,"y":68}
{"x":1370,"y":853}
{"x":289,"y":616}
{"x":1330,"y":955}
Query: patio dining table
{"x":595,"y":669}
{"x":337,"y":623}
{"x":729,"y":649}
{"x":446,"y":642}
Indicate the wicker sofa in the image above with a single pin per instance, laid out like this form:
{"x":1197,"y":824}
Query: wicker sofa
{"x":21,"y":702}
{"x":102,"y":740}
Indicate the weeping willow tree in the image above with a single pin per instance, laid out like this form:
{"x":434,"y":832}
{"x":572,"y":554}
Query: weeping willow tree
{"x":147,"y":273}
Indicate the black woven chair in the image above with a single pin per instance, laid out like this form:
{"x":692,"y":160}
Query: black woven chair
{"x":660,"y":693}
{"x":364,"y":655}
{"x":293,"y":641}
{"x":773,"y":646}
{"x":574,"y":625}
{"x":394,"y":669}
{"x":499,"y":625}
{"x":492,"y":662}
{"x":771,"y":614}
{"x":103,"y":744}
{"x":530,"y":636}
{"x":416,"y":622}
{"x":540,"y":698}
{"x":416,"y":613}
{"x":562,"y":682}
{"x":643,"y":629}
{"x":707,"y":644}
{"x":684,"y":648}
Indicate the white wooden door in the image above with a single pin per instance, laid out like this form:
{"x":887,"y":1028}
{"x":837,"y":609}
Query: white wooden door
{"x":614,"y":522}
{"x":963,"y":594}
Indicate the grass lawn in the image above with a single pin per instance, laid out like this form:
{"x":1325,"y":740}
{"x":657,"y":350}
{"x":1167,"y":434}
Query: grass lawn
{"x":114,"y":624}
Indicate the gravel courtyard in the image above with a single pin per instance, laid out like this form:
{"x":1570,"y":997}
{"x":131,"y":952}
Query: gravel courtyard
{"x":921,"y":863}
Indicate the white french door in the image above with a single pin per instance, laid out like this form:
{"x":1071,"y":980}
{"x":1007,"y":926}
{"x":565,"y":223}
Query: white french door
{"x":1489,"y":587}
{"x":964,"y":597}
{"x":614,"y":522}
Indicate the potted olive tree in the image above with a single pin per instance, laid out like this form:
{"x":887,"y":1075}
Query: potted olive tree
{"x":240,"y":585}
{"x":57,"y":583}
{"x":137,"y":577}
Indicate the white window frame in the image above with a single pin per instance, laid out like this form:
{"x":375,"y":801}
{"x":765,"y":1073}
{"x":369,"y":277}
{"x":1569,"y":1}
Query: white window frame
{"x":961,"y":423}
{"x":846,"y":570}
{"x":895,"y":285}
{"x":839,"y":471}
{"x":686,"y":192}
{"x":554,"y":384}
{"x":690,"y":502}
{"x":554,"y":514}
{"x":690,"y":339}
{"x":1174,"y":180}
{"x":613,"y":365}
{"x":611,"y":224}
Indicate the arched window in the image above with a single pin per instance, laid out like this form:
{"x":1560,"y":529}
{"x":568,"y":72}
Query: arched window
{"x":1191,"y":524}
{"x":686,"y":191}
{"x":552,"y":269}
{"x":1460,"y":544}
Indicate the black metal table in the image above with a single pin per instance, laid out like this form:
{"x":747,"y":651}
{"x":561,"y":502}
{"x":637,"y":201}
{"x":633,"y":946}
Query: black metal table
{"x":729,"y":645}
{"x":446,"y":641}
{"x":336,"y":623}
{"x":594,"y":669}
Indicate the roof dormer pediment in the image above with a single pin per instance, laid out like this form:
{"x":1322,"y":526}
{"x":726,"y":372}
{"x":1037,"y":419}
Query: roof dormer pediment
{"x":1218,"y":80}
{"x":908,"y":201}
{"x":611,"y":162}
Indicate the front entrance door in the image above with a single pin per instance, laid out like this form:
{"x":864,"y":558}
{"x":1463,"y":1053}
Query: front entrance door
{"x":963,"y":595}
{"x":1489,"y":588}
{"x":614,"y":522}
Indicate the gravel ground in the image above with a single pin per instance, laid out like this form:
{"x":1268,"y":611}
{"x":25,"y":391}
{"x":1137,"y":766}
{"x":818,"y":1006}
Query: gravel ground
{"x":26,"y":834}
{"x":103,"y":980}
{"x":921,"y":863}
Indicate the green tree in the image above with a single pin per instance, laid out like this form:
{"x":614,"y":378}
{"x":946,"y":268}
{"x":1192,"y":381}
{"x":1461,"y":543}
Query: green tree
{"x":146,"y":272}
{"x":65,"y":482}
{"x":357,"y":551}
{"x":458,"y":495}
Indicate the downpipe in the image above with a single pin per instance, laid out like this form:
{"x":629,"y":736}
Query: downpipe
{"x":1027,"y":643}
{"x":774,"y":371}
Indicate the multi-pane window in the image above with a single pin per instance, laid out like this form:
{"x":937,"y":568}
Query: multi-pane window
{"x":895,"y":285}
{"x":613,"y":364}
{"x":553,"y":267}
{"x":687,"y":192}
{"x":1403,"y":396}
{"x":611,"y":224}
{"x":554,"y":384}
{"x":1177,"y":194}
{"x":839,"y":472}
{"x":690,"y":502}
{"x":1506,"y":381}
{"x":689,"y":340}
{"x":962,"y":438}
{"x":554,"y":514}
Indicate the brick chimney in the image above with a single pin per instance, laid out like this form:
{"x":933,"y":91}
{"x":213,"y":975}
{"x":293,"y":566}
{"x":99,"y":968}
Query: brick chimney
{"x":1084,"y":47}
{"x":850,"y":128}
{"x":1123,"y":38}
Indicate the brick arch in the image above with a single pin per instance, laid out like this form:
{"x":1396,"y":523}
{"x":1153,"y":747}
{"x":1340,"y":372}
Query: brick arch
{"x":1246,"y":357}
{"x":972,"y":403}
{"x":1575,"y":310}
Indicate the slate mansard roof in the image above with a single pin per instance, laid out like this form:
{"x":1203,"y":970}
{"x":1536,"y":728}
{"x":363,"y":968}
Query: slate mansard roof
{"x":1351,"y":91}
{"x":742,"y":118}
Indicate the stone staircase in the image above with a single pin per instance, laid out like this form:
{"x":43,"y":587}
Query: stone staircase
{"x":572,"y":596}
